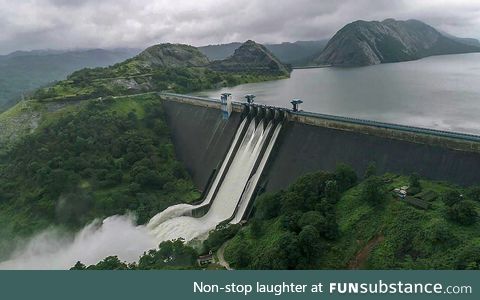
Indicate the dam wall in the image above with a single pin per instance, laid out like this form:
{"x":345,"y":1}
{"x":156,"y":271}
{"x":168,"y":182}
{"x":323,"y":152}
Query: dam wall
{"x":200,"y":136}
{"x":312,"y":142}
{"x":306,"y":148}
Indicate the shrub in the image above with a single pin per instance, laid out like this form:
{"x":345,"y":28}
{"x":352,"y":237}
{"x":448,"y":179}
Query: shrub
{"x":451,"y":197}
{"x":345,"y":176}
{"x":463,"y":212}
{"x":372,"y":191}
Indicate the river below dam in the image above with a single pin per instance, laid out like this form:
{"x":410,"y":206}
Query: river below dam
{"x":440,"y":92}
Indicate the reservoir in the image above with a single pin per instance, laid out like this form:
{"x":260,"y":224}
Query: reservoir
{"x":439,"y":92}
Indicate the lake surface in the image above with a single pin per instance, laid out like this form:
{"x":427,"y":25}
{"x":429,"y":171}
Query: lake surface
{"x":440,"y":92}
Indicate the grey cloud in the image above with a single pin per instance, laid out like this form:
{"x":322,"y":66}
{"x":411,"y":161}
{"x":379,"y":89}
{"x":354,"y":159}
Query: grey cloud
{"x":36,"y":24}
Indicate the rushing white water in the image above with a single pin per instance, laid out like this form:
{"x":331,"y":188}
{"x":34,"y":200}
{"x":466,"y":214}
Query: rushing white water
{"x":54,"y":249}
{"x":176,"y":211}
{"x":252,"y":183}
{"x":228,"y":194}
{"x":118,"y":235}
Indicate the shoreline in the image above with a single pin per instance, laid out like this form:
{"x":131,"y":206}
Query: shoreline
{"x":312,"y":67}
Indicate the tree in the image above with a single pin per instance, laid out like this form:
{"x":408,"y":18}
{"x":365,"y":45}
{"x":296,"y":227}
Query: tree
{"x":221,"y":234}
{"x":326,"y":226}
{"x":256,"y":228}
{"x":371,"y":170}
{"x":345,"y":176}
{"x":451,"y":197}
{"x":463,"y":212}
{"x":372,"y":191}
{"x":288,"y":249}
{"x":290,"y":221}
{"x":415,"y":186}
{"x":468,"y":258}
{"x":309,"y":243}
{"x":109,"y":263}
{"x":267,"y":207}
{"x":78,"y":266}
{"x":331,"y":191}
{"x":240,"y":257}
{"x":169,"y":254}
{"x":473,"y":193}
{"x":414,"y":180}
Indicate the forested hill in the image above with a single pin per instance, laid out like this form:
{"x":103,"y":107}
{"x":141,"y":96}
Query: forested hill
{"x":368,"y":43}
{"x":96,"y":144}
{"x":22,"y":72}
{"x":173,"y":67}
{"x":251,"y":57}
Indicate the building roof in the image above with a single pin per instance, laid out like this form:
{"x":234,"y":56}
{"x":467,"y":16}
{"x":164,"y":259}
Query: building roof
{"x":417,"y":202}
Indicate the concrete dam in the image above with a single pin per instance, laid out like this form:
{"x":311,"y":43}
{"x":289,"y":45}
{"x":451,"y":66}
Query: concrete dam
{"x":232,"y":184}
{"x":233,"y":154}
{"x":312,"y":142}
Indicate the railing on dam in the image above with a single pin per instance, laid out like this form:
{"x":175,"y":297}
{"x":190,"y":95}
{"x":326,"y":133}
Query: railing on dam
{"x":348,"y":120}
{"x":412,"y":129}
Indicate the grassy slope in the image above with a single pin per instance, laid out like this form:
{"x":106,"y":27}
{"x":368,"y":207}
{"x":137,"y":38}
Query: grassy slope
{"x":394,"y":235}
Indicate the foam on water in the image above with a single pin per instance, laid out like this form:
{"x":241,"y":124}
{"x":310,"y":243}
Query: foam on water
{"x":228,"y":194}
{"x":54,"y":249}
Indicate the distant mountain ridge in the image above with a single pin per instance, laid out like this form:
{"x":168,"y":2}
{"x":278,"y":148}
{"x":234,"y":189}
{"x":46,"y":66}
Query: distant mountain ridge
{"x":248,"y":57}
{"x":363,"y":43}
{"x":24,"y":71}
{"x":297,"y":53}
{"x":468,"y":41}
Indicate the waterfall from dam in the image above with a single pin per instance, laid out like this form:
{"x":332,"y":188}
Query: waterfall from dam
{"x":227,"y":198}
{"x":231,"y":189}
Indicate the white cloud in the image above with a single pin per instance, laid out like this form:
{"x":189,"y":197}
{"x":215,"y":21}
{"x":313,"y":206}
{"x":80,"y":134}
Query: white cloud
{"x":34,"y":24}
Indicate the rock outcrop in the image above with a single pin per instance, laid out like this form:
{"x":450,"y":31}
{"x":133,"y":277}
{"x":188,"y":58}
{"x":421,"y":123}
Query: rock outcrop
{"x":364,"y":43}
{"x":251,"y":57}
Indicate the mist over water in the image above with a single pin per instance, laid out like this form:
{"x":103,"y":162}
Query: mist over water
{"x":118,"y":235}
{"x":54,"y":249}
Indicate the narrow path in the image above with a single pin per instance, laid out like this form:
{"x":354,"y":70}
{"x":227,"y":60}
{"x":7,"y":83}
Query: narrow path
{"x":221,"y":258}
{"x":361,"y":257}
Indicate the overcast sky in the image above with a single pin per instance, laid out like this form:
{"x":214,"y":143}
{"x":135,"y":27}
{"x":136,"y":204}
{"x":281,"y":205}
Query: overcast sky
{"x":60,"y":24}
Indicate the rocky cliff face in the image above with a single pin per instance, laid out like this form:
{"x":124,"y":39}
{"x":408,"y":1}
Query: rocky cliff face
{"x":364,"y":43}
{"x":172,"y":55}
{"x":251,"y":57}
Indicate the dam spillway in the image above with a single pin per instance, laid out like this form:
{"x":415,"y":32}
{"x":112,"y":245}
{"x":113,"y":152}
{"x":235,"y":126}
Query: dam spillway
{"x":234,"y":184}
{"x":313,"y":142}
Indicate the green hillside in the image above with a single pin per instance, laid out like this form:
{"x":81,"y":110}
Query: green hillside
{"x":173,"y":67}
{"x":333,"y":221}
{"x":96,"y":144}
{"x":318,"y":224}
{"x":23,"y":72}
{"x":96,"y":159}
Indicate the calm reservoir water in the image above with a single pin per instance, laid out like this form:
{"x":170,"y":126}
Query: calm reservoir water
{"x":441,"y":92}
